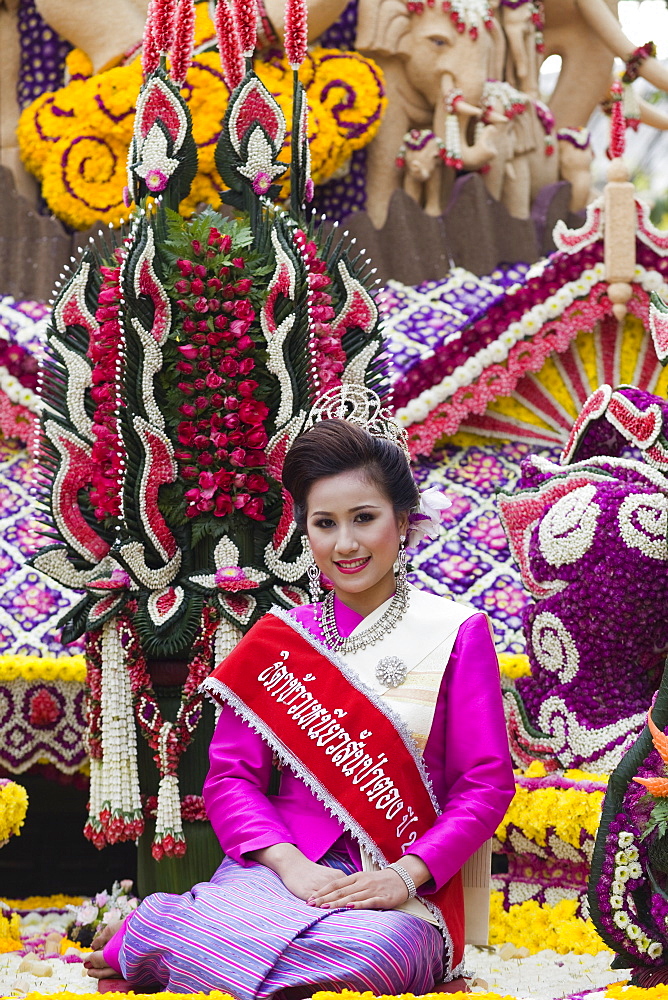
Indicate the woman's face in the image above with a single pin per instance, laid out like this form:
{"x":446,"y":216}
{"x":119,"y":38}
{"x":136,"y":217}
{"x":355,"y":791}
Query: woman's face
{"x":354,"y":534}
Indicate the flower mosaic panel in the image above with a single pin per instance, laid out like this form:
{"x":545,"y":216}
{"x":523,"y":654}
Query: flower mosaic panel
{"x":421,"y":320}
{"x":471,"y":560}
{"x":30,"y":604}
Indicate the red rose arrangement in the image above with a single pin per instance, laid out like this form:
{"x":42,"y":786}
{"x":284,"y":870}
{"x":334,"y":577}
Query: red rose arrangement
{"x":220,"y":436}
{"x":104,"y":352}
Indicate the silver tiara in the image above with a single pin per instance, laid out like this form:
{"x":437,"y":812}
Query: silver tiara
{"x":357,"y":404}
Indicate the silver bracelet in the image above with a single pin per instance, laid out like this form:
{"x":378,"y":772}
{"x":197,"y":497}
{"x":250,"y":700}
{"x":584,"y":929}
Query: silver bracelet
{"x":402,"y":873}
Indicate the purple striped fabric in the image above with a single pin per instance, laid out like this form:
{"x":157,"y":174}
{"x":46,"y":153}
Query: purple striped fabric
{"x":245,"y":934}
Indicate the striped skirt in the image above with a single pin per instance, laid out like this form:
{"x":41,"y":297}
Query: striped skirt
{"x":245,"y":934}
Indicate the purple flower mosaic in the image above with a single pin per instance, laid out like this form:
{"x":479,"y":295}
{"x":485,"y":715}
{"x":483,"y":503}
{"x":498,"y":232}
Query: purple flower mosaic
{"x":471,"y":561}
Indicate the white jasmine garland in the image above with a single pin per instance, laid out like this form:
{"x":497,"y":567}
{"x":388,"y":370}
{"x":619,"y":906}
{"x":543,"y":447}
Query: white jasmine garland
{"x":473,"y":368}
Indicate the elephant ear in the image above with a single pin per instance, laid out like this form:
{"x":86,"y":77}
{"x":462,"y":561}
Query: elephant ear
{"x":382,"y":26}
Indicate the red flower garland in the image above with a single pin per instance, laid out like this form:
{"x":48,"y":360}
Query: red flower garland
{"x":184,"y":40}
{"x":221,"y":436}
{"x":296,"y":32}
{"x":150,"y":53}
{"x":104,"y":352}
{"x":245,"y":16}
{"x":229,"y":45}
{"x":328,"y":358}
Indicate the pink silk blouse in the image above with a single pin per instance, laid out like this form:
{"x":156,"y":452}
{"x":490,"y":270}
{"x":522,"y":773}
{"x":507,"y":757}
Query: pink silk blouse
{"x":466,"y":755}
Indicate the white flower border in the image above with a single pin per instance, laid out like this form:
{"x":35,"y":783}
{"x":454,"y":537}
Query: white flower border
{"x":531,"y":322}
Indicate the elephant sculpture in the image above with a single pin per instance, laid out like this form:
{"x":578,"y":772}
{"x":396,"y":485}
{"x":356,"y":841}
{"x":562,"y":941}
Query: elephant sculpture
{"x":429,"y":53}
{"x":421,"y":159}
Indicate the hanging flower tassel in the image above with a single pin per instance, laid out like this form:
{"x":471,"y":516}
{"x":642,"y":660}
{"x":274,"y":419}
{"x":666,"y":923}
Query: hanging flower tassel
{"x":120,"y":814}
{"x":169,"y":838}
{"x":150,"y":55}
{"x":184,"y":40}
{"x":296,"y":32}
{"x":229,"y":45}
{"x":618,"y":123}
{"x":245,"y":16}
{"x":452,"y":152}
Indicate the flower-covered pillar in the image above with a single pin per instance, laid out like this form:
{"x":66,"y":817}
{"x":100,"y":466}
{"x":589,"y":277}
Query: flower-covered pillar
{"x":182,"y":364}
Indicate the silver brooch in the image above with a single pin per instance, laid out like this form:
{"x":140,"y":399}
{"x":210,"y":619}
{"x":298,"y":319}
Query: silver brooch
{"x":391,"y":671}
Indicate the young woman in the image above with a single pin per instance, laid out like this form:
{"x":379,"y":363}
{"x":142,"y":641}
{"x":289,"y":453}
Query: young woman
{"x":382,"y":707}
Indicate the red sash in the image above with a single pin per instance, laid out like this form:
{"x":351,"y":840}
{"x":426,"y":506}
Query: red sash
{"x":345,"y":743}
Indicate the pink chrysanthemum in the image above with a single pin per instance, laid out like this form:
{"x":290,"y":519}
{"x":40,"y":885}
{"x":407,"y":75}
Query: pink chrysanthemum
{"x":245,"y":16}
{"x":184,"y":39}
{"x":296,"y":31}
{"x":229,"y":45}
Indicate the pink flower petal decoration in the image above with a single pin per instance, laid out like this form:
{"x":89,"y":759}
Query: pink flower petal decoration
{"x":163,"y":24}
{"x":245,"y":16}
{"x":184,"y":39}
{"x":296,"y":31}
{"x":150,"y":51}
{"x":229,"y":45}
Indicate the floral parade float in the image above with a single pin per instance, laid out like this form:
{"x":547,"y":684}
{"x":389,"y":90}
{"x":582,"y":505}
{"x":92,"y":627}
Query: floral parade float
{"x":181,"y":364}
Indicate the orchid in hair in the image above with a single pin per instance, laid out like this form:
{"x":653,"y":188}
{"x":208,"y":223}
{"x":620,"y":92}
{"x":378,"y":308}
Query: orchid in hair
{"x":426,"y":520}
{"x":296,"y":32}
{"x":229,"y":45}
{"x":245,"y":16}
{"x":150,"y":53}
{"x":184,"y":39}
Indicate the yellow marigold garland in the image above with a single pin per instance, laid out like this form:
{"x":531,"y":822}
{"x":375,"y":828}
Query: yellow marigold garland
{"x":13,"y":808}
{"x":537,"y":926}
{"x":43,"y":668}
{"x":565,"y":810}
{"x":75,"y":140}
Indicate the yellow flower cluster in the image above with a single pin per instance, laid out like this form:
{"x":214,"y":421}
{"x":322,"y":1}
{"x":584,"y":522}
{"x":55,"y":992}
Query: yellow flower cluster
{"x":75,"y":140}
{"x":514,"y":665}
{"x":537,"y":926}
{"x":13,"y":808}
{"x":567,"y":811}
{"x":351,"y":995}
{"x":43,"y":668}
{"x":56,"y":902}
{"x":10,"y":933}
{"x":66,"y":943}
{"x":618,"y":991}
